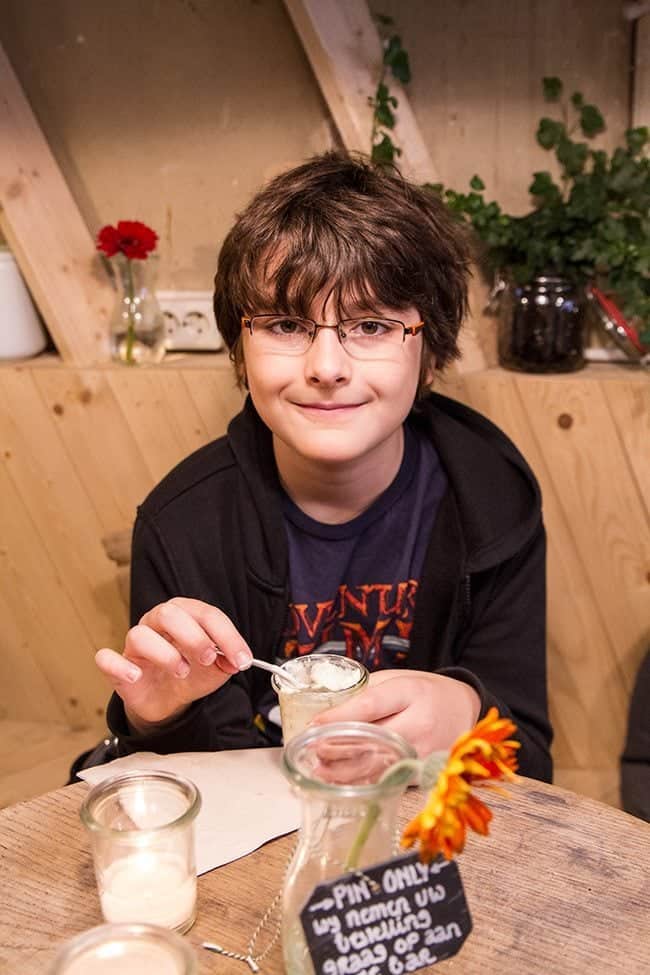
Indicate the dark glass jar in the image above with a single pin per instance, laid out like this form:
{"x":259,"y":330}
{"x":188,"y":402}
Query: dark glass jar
{"x":541,"y":326}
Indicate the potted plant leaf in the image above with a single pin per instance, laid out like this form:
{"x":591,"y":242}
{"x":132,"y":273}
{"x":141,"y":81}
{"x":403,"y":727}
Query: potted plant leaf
{"x":587,"y":235}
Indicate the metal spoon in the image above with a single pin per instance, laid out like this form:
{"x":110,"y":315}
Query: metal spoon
{"x":279,"y":672}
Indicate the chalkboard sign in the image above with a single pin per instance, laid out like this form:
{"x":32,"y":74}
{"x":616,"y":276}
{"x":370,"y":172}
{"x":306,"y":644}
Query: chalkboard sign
{"x":395,"y":917}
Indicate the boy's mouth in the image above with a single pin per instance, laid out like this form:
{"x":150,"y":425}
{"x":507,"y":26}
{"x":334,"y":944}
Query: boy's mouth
{"x":328,"y":407}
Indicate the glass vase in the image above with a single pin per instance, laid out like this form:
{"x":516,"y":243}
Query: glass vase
{"x":349,"y":817}
{"x":541,"y":326}
{"x":137,"y":326}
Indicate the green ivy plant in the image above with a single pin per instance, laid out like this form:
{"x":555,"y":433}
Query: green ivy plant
{"x":395,"y":62}
{"x":593,"y":225}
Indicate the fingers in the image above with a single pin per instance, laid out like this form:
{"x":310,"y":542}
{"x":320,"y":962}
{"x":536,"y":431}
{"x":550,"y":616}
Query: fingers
{"x":180,"y":651}
{"x":197,"y":631}
{"x":428,"y":710}
{"x":376,"y":703}
{"x":117,"y":668}
{"x":144,"y":644}
{"x":379,"y":676}
{"x":147,"y":646}
{"x":360,"y":761}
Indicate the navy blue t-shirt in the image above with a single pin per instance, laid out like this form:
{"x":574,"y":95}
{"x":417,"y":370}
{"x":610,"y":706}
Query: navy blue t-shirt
{"x":354,"y":586}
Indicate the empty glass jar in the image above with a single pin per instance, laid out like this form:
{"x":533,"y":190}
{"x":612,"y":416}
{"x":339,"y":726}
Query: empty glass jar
{"x":349,"y":816}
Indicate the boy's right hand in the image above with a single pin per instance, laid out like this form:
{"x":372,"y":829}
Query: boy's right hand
{"x":170,"y":660}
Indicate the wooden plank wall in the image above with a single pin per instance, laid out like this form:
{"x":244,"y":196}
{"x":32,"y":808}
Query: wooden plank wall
{"x":641,"y":76}
{"x":81,"y":447}
{"x":47,"y":234}
{"x":586,"y":439}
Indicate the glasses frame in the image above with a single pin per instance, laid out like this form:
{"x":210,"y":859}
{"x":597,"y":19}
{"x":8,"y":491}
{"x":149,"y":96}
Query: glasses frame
{"x":247,"y":322}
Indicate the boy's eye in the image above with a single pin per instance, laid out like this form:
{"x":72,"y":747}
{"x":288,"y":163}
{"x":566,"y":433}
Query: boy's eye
{"x":368,"y":327}
{"x":287,"y":326}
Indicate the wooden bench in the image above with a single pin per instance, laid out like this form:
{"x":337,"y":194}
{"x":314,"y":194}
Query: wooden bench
{"x":117,"y":546}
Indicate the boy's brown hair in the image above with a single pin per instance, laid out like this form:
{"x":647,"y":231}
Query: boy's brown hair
{"x":362,"y":232}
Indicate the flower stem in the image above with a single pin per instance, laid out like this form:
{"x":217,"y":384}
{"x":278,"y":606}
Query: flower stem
{"x":369,"y":820}
{"x":130,"y":328}
{"x":374,"y":809}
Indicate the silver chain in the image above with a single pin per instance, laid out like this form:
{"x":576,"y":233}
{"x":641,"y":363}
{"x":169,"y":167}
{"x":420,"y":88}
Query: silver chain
{"x":246,"y":959}
{"x":253,"y":960}
{"x":250,"y":958}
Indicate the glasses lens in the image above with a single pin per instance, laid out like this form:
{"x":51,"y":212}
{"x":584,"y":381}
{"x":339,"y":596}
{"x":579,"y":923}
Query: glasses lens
{"x":372,"y":338}
{"x":282,"y":333}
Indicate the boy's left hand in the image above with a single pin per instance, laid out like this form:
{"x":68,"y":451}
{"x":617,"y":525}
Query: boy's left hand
{"x":429,"y":710}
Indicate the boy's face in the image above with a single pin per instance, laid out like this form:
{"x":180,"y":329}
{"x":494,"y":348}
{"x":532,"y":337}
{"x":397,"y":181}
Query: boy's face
{"x":329,"y":408}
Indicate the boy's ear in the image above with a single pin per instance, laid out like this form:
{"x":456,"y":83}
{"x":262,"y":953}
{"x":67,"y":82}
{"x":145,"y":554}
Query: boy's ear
{"x":427,"y":369}
{"x":237,"y":358}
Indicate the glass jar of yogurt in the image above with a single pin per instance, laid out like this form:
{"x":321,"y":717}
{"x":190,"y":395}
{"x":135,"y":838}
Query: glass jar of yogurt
{"x":326,"y":680}
{"x":141,"y":828}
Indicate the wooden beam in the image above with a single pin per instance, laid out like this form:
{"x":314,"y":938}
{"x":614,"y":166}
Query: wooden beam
{"x":345,"y":52}
{"x":47,"y":234}
{"x":641,"y":104}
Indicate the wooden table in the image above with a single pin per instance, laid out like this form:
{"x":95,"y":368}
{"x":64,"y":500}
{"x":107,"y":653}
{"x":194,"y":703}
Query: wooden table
{"x":562,"y":885}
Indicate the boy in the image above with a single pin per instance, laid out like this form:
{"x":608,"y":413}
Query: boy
{"x":348,"y":508}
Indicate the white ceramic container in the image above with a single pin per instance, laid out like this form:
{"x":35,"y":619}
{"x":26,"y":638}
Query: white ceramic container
{"x":21,"y":332}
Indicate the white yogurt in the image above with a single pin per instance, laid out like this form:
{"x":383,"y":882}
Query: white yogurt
{"x":149,"y":888}
{"x":316,"y":674}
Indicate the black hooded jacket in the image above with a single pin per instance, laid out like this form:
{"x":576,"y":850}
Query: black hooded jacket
{"x":213,"y":530}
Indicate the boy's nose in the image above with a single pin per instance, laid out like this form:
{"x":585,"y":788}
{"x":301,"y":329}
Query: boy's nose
{"x":326,"y":361}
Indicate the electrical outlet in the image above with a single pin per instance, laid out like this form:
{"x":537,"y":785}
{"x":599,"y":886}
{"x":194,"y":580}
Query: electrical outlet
{"x":189,"y":321}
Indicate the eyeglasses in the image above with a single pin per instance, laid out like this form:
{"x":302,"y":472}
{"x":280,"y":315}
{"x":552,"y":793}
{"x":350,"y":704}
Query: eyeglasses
{"x":362,"y":338}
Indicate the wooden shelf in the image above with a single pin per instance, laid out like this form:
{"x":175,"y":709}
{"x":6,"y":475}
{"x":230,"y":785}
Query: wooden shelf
{"x":175,"y":360}
{"x":598,"y":371}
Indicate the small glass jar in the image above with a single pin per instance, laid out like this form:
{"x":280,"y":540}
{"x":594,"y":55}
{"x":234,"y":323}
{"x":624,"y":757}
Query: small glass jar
{"x":141,"y":826}
{"x":298,"y":707}
{"x":349,"y":816}
{"x":541,"y":326}
{"x":137,"y":325}
{"x":130,"y":949}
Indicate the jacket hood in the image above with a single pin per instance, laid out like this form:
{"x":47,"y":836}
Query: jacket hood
{"x":496,"y":494}
{"x":252,"y":445}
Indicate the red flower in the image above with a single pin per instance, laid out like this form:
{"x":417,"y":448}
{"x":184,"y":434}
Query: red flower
{"x":130,"y":237}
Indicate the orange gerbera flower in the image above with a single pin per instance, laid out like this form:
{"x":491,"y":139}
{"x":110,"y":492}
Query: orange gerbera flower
{"x":480,"y":756}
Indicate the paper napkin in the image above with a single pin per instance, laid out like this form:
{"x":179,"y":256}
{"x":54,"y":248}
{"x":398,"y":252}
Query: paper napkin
{"x":246,"y":800}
